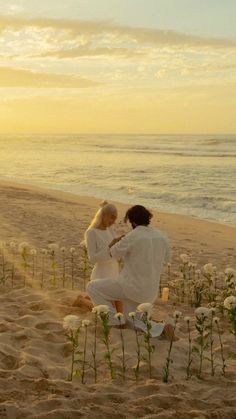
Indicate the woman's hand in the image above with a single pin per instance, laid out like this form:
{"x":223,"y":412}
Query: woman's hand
{"x":116,"y":240}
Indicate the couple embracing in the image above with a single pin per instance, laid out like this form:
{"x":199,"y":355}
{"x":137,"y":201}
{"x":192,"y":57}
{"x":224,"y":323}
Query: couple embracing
{"x":143,"y":250}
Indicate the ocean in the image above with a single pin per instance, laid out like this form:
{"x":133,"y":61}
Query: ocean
{"x":183,"y":174}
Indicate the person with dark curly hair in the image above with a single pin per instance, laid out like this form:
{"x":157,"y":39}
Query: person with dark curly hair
{"x":144,"y":250}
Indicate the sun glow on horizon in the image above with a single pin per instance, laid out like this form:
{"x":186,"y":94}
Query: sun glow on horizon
{"x":86,"y":75}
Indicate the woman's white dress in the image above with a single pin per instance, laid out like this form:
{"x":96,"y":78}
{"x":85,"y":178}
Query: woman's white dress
{"x":97,"y":242}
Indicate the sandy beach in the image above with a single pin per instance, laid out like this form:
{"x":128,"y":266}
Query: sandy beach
{"x":35,"y":355}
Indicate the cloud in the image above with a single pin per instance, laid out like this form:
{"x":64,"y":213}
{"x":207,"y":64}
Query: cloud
{"x":85,"y":51}
{"x":15,"y":77}
{"x":140,"y":35}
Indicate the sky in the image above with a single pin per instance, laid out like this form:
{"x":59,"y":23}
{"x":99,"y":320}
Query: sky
{"x":117,"y":66}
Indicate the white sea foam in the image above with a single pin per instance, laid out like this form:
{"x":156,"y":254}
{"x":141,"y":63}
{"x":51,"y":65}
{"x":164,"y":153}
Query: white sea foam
{"x":186,"y":174}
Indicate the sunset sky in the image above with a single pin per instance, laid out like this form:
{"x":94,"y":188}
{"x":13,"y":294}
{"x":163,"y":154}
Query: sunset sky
{"x":151,"y":66}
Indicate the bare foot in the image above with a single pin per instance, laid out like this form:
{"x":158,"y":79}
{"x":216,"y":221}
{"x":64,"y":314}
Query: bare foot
{"x":83,"y":301}
{"x":168,"y":332}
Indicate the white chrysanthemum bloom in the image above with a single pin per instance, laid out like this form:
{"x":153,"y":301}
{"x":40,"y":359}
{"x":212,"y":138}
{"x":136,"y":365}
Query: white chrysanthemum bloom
{"x":86,"y":323}
{"x":119,"y":316}
{"x":33,"y":252}
{"x":145,"y":308}
{"x":63,"y":249}
{"x":23,"y":246}
{"x":71,"y":322}
{"x":187,"y":319}
{"x":177,"y":314}
{"x":202,"y":311}
{"x":208,"y":269}
{"x":230,"y":272}
{"x":132,"y":314}
{"x":216,"y":320}
{"x":101,"y":309}
{"x":53,"y":247}
{"x":44,"y":251}
{"x":184,"y":258}
{"x":72,"y":250}
{"x":230,"y":302}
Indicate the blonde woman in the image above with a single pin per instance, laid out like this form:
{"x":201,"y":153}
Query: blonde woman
{"x":99,"y":235}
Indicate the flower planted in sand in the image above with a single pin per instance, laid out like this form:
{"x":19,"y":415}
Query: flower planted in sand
{"x":230,"y":307}
{"x":166,"y":369}
{"x":85,"y":324}
{"x":33,"y":254}
{"x":190,"y":360}
{"x":216,"y":322}
{"x":132,"y":315}
{"x":73,"y":253}
{"x":24,"y":252}
{"x":230,"y":276}
{"x":202,"y":316}
{"x":120,"y":318}
{"x":44,"y":254}
{"x":209,"y":272}
{"x":145,"y":309}
{"x":103,"y":313}
{"x":53,"y":248}
{"x":95,"y":311}
{"x":212,"y":358}
{"x":3,"y":276}
{"x":72,"y":326}
{"x":13,"y":248}
{"x":63,"y":252}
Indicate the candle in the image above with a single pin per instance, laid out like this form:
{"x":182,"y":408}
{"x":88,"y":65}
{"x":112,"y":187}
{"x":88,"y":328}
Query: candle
{"x":165,"y":294}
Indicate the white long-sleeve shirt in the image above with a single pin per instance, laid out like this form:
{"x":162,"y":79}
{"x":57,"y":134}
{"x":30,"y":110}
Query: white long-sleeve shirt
{"x":97,"y":242}
{"x":144,"y":250}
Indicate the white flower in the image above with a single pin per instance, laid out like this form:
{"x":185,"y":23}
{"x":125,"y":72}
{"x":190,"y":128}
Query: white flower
{"x":72,"y":250}
{"x":177,"y":314}
{"x":53,"y":247}
{"x":230,"y":302}
{"x":184,"y":258}
{"x":202,"y":311}
{"x":100,"y":309}
{"x":187,"y":319}
{"x":13,"y":245}
{"x":230,"y":272}
{"x":71,"y":322}
{"x":44,"y":251}
{"x":145,"y":308}
{"x":23,"y":246}
{"x":132,"y":314}
{"x":208,"y":269}
{"x":86,"y":323}
{"x":33,"y":252}
{"x":63,"y":249}
{"x":119,"y":316}
{"x":216,"y":320}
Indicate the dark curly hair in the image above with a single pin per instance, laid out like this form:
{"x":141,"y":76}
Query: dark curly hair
{"x":138,"y":215}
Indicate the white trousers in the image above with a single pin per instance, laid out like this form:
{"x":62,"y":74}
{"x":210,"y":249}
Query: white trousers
{"x":104,"y":291}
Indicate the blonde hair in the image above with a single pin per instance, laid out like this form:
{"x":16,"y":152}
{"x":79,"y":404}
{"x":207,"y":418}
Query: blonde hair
{"x":104,"y":207}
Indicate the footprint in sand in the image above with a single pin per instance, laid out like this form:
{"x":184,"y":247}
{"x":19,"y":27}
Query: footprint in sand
{"x":8,"y":362}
